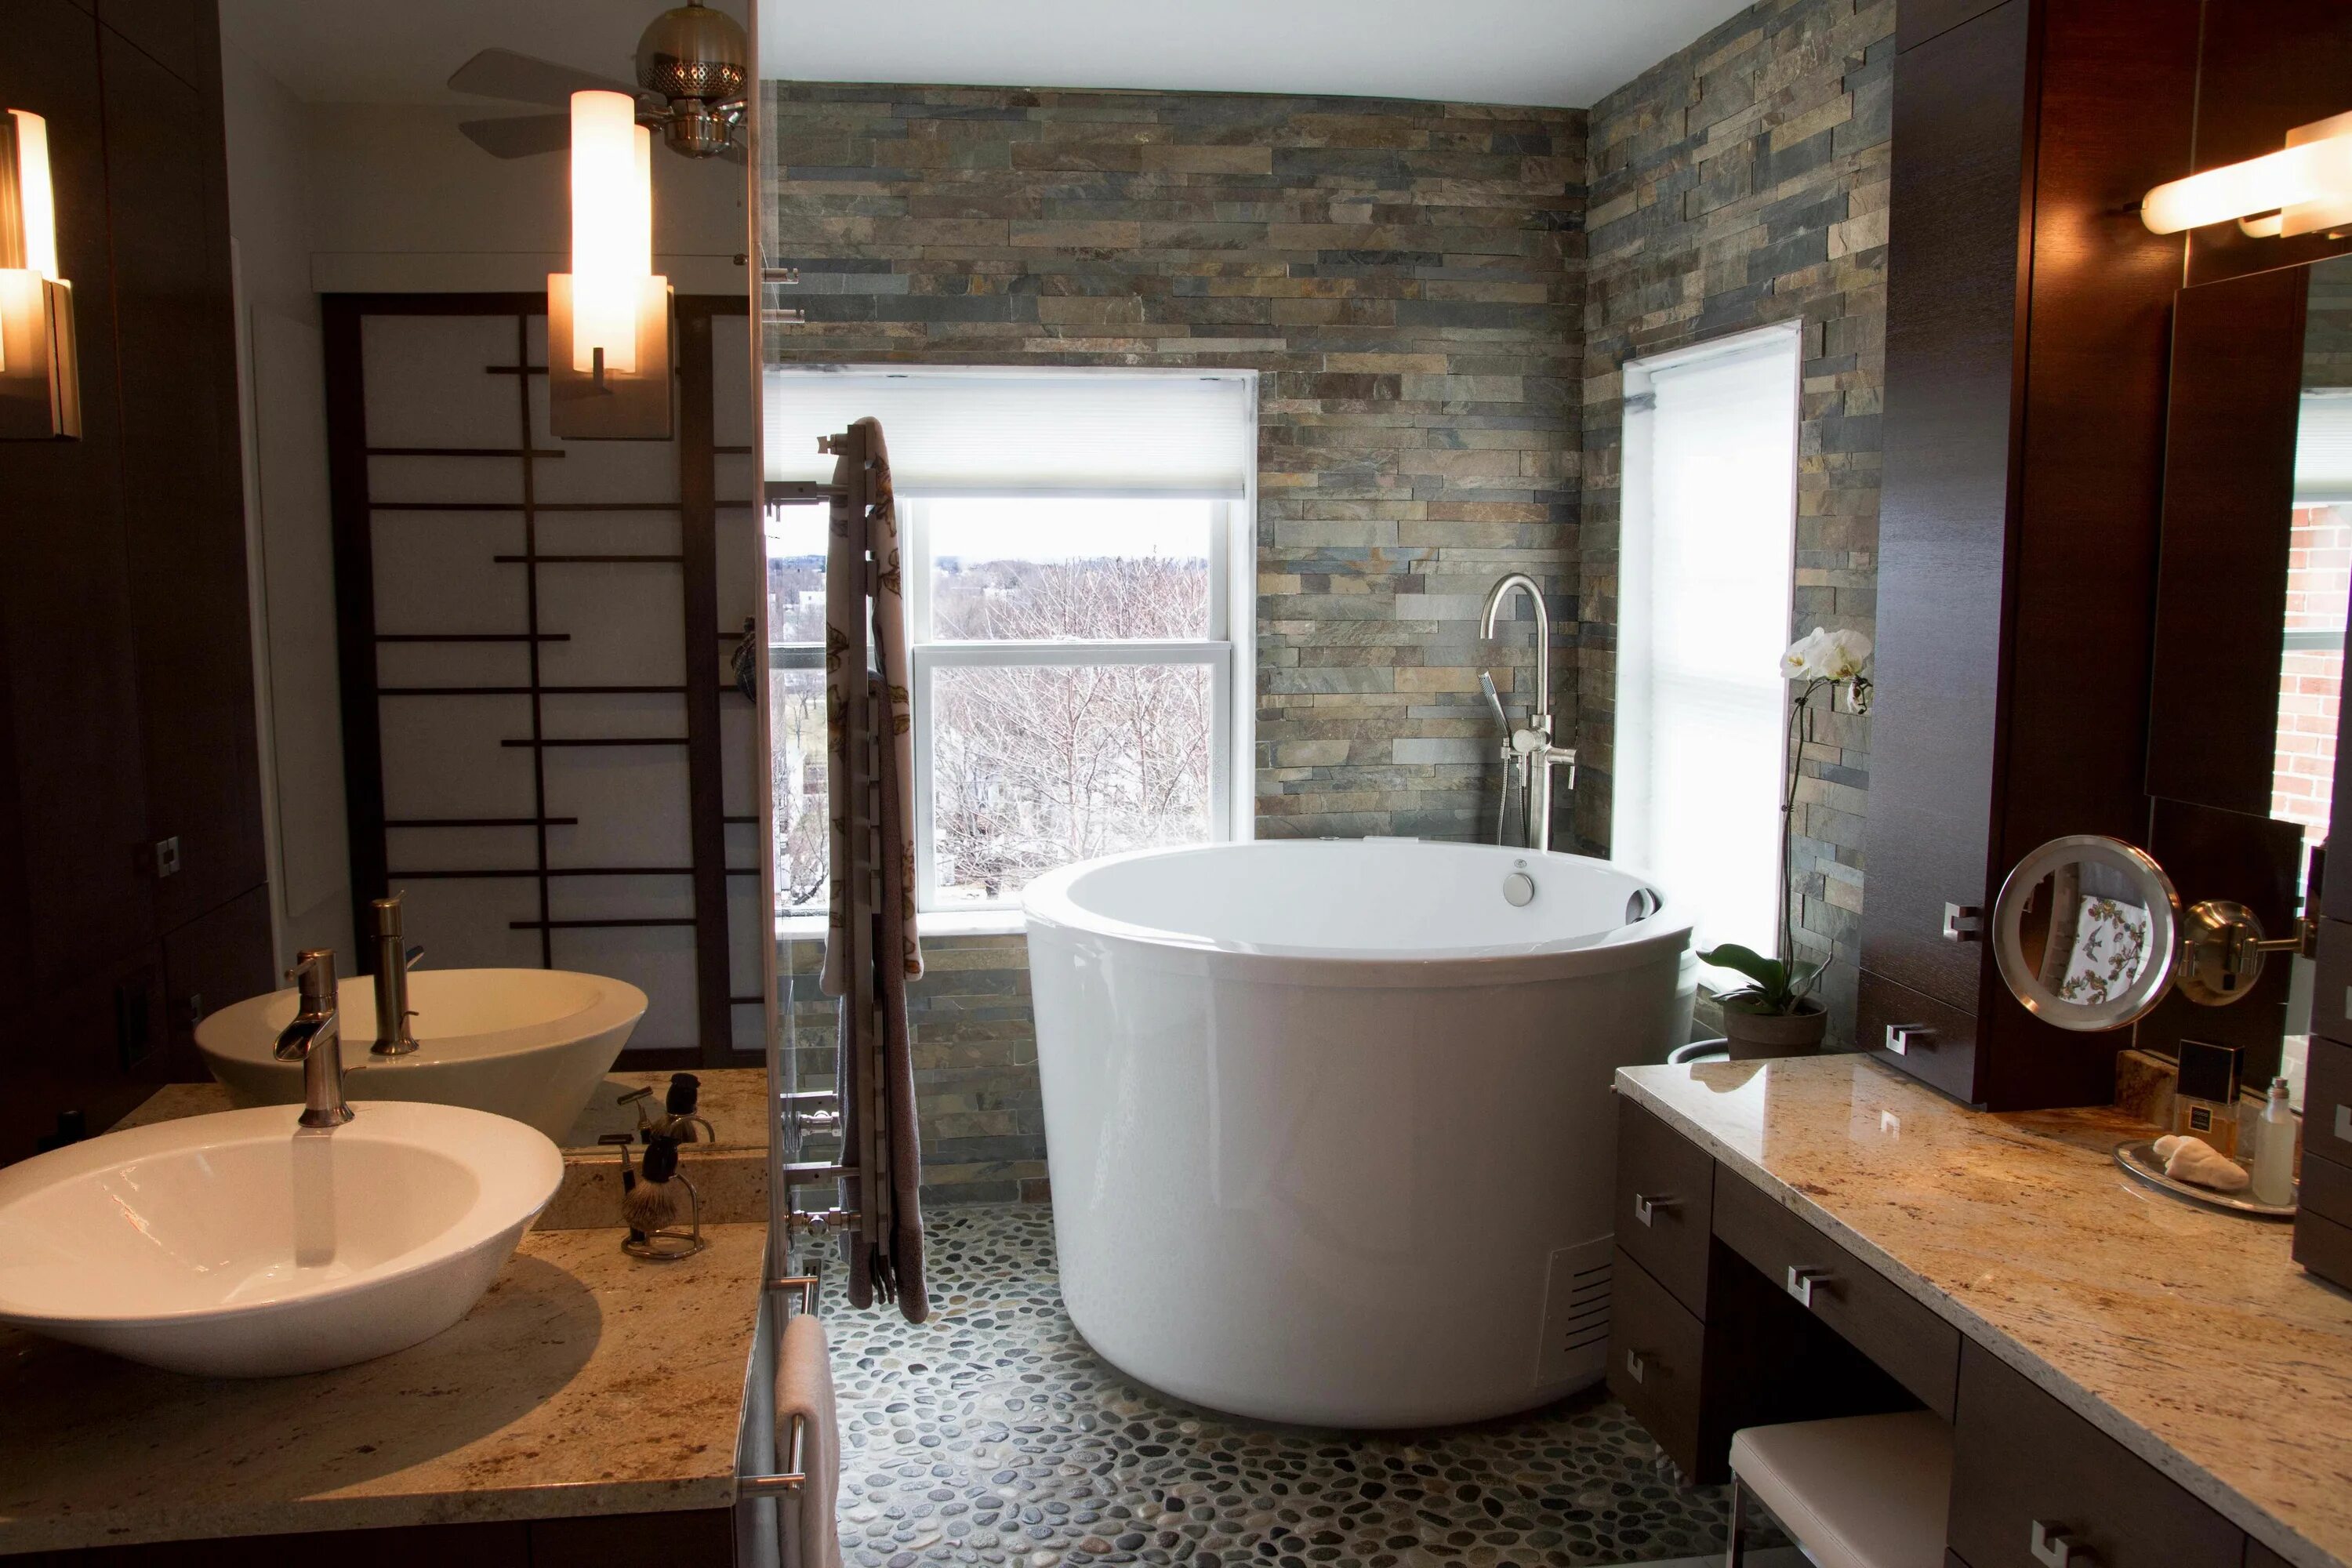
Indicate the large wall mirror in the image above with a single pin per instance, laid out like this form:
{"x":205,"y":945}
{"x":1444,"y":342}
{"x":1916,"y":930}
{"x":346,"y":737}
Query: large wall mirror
{"x":2251,"y":596}
{"x":499,"y":661}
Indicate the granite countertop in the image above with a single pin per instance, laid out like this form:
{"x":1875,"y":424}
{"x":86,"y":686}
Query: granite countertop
{"x":584,"y":1383}
{"x":2189,"y":1336}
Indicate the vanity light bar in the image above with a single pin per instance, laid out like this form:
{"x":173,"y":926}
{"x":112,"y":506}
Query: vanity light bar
{"x":2305,"y":187}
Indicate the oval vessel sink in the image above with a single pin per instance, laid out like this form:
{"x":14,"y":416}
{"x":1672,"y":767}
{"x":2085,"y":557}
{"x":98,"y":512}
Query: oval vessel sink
{"x":233,"y":1246}
{"x":532,"y":1044}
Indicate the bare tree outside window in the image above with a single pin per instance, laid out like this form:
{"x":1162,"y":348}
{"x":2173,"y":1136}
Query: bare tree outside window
{"x":1040,"y":754}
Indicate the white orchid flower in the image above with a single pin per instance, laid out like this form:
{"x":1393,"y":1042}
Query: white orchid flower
{"x":1824,"y":654}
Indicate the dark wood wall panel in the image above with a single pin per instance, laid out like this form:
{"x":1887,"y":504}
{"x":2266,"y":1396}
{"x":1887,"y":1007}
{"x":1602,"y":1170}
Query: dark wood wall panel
{"x":2027,"y":336}
{"x":2229,"y":488}
{"x":1957,"y":262}
{"x":125,"y":660}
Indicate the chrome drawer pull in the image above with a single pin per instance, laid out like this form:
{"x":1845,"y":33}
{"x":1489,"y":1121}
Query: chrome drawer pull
{"x":2055,"y":1548}
{"x":1636,"y":1366}
{"x":1645,"y":1209}
{"x":2344,"y":1122}
{"x":1901,"y":1038}
{"x":1801,"y":1282}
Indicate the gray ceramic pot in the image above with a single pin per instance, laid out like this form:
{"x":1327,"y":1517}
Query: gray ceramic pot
{"x":1755,"y":1037}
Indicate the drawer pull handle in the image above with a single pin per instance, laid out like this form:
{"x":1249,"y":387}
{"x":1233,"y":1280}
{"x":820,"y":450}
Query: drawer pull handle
{"x":2344,"y":1122}
{"x":1637,"y":1365}
{"x":1645,"y":1209}
{"x":1801,"y":1282}
{"x":2056,"y":1549}
{"x":1901,"y":1038}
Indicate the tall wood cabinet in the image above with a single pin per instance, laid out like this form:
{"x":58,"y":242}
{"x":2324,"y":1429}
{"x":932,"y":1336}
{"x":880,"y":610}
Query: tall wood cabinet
{"x":2028,"y":316}
{"x":126,"y":677}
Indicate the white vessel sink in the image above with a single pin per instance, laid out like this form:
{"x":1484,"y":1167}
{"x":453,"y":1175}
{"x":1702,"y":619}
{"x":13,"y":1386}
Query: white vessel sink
{"x":235,"y":1246}
{"x":533,"y":1044}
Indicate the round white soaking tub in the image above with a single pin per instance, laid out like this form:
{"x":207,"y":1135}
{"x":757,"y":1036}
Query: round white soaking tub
{"x":1329,"y":1122}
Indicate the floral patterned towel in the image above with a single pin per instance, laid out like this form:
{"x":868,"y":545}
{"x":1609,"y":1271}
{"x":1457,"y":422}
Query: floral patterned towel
{"x":2110,"y":950}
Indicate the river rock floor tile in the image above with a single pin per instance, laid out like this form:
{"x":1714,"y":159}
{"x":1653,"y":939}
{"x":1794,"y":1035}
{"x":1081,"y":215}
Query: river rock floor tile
{"x":993,"y":1434}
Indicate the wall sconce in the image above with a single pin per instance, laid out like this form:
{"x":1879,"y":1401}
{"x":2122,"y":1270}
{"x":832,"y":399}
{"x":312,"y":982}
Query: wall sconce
{"x":2303,"y":188}
{"x":40,"y":380}
{"x":608,"y":364}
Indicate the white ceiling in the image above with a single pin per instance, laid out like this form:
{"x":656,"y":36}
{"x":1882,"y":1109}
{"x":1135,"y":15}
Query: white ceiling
{"x":1557,"y":52}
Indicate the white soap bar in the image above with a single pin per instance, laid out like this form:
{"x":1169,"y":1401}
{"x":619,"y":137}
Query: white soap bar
{"x":2194,"y":1160}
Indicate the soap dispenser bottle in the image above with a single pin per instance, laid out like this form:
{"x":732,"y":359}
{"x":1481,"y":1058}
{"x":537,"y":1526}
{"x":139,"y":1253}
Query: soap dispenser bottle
{"x":2274,"y":1150}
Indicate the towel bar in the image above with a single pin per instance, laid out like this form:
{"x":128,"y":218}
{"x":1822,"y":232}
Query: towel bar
{"x":795,"y":1474}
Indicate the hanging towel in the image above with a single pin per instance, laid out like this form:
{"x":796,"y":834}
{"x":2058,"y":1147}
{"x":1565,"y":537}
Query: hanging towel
{"x":807,"y":1529}
{"x":870,"y":948}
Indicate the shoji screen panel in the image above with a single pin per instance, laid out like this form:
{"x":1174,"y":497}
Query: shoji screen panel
{"x":536,"y":724}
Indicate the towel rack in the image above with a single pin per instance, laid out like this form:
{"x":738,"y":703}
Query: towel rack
{"x":794,"y":1475}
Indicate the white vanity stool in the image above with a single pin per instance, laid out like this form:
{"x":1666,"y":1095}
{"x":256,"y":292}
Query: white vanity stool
{"x":1862,"y":1491}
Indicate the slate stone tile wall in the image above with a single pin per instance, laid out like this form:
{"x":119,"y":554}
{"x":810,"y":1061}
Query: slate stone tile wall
{"x":1406,"y":277}
{"x":1744,"y":181}
{"x":1441,"y":310}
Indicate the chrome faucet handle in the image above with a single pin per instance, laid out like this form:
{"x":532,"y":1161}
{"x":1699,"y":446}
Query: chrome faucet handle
{"x":314,"y":975}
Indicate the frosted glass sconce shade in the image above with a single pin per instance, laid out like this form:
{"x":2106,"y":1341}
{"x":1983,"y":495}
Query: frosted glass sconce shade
{"x":40,"y":383}
{"x":608,"y":318}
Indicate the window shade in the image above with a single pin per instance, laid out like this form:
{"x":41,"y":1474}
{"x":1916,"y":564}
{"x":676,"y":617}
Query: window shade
{"x":2323,"y":449}
{"x":1024,"y":432}
{"x":1705,"y":577}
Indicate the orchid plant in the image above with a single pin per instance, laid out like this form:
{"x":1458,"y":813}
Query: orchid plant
{"x":1820,"y":661}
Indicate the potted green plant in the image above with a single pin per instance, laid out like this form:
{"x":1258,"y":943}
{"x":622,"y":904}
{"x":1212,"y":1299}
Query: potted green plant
{"x":1777,"y":1015}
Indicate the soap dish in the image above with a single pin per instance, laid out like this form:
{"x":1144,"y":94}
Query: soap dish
{"x":2139,"y":1160}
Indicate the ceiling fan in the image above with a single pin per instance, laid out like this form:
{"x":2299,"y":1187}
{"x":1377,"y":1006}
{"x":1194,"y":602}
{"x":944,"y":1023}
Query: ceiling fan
{"x":692,"y":64}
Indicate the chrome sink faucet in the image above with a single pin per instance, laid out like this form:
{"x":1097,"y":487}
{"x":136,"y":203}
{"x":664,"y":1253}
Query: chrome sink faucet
{"x":315,"y":1038}
{"x":1528,"y":754}
{"x":394,"y":1036}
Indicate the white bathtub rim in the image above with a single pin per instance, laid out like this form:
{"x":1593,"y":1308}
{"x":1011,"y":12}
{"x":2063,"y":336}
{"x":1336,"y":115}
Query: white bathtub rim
{"x":1051,"y":912}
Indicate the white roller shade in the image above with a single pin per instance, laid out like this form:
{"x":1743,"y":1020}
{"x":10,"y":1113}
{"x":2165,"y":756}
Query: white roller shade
{"x":1024,"y":432}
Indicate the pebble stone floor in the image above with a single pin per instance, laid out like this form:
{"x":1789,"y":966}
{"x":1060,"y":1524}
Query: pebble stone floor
{"x":993,"y":1434}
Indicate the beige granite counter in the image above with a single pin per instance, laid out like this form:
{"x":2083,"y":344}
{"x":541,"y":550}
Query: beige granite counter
{"x":585,"y":1382}
{"x":2189,"y":1336}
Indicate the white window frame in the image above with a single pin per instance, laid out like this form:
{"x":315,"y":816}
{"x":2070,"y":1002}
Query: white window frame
{"x":1226,"y":651}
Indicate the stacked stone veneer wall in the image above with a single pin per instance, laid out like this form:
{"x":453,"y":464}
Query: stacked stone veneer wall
{"x":1406,"y":277}
{"x":1440,"y":308}
{"x":1744,"y":181}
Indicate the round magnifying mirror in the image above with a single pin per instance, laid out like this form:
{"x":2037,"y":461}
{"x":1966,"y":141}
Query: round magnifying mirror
{"x":2086,"y":930}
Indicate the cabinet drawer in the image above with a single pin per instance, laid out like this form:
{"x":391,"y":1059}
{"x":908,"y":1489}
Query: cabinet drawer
{"x":1655,"y":1347}
{"x":1913,"y":1345}
{"x":1665,"y":1190}
{"x":2324,"y":1246}
{"x":2327,"y":1099}
{"x":2025,"y":1467}
{"x":2326,"y":1188}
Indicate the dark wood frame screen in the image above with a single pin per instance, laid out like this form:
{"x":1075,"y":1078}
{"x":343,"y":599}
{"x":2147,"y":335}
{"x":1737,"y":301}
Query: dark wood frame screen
{"x":696,"y":505}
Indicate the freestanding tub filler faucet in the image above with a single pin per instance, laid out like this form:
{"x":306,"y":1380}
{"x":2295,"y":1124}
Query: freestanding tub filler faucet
{"x":394,"y":1036}
{"x":315,"y":1039}
{"x":1528,"y":755}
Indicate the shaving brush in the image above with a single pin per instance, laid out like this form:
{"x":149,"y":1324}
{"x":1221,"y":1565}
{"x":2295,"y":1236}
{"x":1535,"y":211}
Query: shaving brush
{"x":652,"y":1202}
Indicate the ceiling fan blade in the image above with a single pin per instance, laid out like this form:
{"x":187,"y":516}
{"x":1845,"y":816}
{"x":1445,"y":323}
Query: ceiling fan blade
{"x":523,"y":136}
{"x":526,"y":78}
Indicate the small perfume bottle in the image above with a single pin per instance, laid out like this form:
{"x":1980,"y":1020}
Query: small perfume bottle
{"x":2205,"y":1096}
{"x":2274,"y":1150}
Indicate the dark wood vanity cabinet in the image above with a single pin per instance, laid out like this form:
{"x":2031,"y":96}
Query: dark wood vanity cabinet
{"x":126,"y":699}
{"x":1785,"y":1324}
